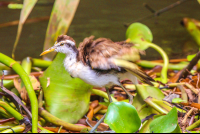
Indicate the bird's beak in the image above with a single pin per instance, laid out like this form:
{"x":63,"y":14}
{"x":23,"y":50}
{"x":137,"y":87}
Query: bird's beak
{"x":48,"y":51}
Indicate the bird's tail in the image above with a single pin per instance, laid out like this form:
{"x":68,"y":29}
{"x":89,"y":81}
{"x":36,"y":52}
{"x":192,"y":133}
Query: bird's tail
{"x":134,"y":70}
{"x":142,"y":76}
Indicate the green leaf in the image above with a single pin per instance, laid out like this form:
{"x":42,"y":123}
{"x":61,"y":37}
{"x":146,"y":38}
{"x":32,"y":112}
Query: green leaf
{"x":166,"y":123}
{"x":157,"y":93}
{"x":190,"y":57}
{"x":122,"y":117}
{"x":192,"y":27}
{"x":65,"y":97}
{"x":145,"y":127}
{"x":177,"y":130}
{"x":140,"y":105}
{"x":177,"y":100}
{"x":26,"y":10}
{"x":61,"y":17}
{"x":139,"y":33}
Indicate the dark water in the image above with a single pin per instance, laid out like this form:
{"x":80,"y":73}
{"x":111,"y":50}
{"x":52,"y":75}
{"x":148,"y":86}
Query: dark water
{"x":105,"y":18}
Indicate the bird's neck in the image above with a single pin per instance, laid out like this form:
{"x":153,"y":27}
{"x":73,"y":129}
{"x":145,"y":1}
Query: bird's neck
{"x":71,"y":59}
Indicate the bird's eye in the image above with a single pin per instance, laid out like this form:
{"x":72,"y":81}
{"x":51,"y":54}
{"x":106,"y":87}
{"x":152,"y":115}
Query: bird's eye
{"x":62,"y":44}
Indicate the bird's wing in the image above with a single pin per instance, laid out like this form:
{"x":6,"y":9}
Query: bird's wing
{"x":104,"y":54}
{"x":99,"y":53}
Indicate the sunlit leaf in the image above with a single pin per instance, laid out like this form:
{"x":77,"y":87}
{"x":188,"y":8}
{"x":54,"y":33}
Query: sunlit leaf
{"x":122,"y":117}
{"x":155,"y":92}
{"x":190,"y":57}
{"x":27,"y":8}
{"x":138,"y":33}
{"x":65,"y":97}
{"x":60,"y":20}
{"x":166,"y":123}
{"x":178,"y":100}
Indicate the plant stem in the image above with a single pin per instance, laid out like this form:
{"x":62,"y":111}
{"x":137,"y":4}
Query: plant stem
{"x":25,"y":78}
{"x":103,"y":94}
{"x":150,"y":64}
{"x":3,"y":67}
{"x":149,"y":101}
{"x":196,"y":91}
{"x":16,"y":129}
{"x":194,"y":125}
{"x":189,"y":67}
{"x":26,"y":65}
{"x":8,"y":84}
{"x":187,"y":115}
{"x":184,"y":95}
{"x":50,"y":118}
{"x":165,"y":59}
{"x":4,"y":113}
{"x":10,"y":110}
{"x":41,"y":63}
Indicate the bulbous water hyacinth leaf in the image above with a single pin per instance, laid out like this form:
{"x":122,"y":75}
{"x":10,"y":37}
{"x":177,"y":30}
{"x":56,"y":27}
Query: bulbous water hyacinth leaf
{"x":122,"y":117}
{"x":65,"y":97}
{"x":139,"y":33}
{"x":166,"y":123}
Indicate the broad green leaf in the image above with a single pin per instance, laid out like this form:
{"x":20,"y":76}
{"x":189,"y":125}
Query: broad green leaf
{"x":60,"y":20}
{"x":122,"y":117}
{"x":65,"y":97}
{"x":198,"y":1}
{"x":166,"y":123}
{"x":139,"y":33}
{"x":27,"y":8}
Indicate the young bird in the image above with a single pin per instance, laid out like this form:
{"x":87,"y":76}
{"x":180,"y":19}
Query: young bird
{"x":100,"y":62}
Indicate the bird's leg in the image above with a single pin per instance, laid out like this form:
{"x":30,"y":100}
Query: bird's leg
{"x":108,"y":92}
{"x":129,"y":95}
{"x":101,"y":120}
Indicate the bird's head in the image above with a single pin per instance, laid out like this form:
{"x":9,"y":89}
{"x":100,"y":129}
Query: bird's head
{"x":64,"y":44}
